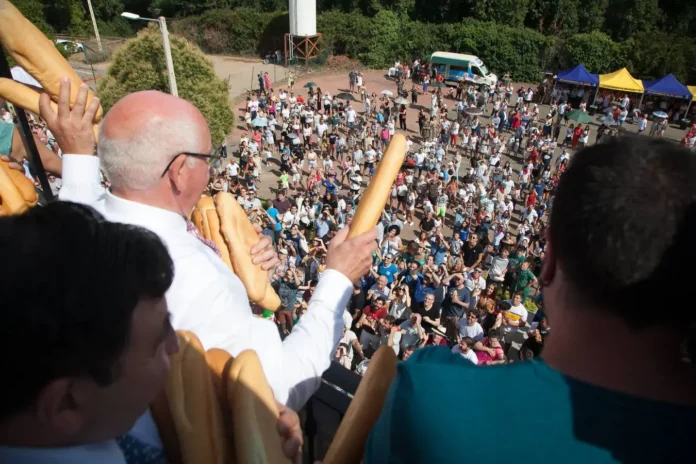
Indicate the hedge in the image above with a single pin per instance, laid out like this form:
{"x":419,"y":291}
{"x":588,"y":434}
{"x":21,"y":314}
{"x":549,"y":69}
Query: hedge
{"x":379,"y":40}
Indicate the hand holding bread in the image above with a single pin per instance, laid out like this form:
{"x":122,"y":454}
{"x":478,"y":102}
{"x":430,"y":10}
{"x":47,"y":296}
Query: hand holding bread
{"x":224,"y":222}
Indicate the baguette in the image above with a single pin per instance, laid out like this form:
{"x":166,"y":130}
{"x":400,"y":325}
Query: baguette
{"x":240,"y":236}
{"x":377,"y":193}
{"x":254,"y":412}
{"x":194,"y":405}
{"x":30,"y":48}
{"x":21,"y":95}
{"x":24,"y":185}
{"x":204,"y":204}
{"x":349,"y":441}
{"x":12,"y":200}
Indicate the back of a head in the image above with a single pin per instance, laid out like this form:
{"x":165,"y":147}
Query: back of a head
{"x":621,"y":225}
{"x":142,"y":132}
{"x":73,"y":281}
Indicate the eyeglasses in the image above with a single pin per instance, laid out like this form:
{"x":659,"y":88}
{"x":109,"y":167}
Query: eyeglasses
{"x":213,"y":159}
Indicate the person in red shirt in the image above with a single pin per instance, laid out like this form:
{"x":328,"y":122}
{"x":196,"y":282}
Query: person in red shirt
{"x":531,"y":199}
{"x":369,"y":323}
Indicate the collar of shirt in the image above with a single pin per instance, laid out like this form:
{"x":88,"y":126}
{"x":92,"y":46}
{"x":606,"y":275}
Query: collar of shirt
{"x":159,"y":220}
{"x":107,"y":452}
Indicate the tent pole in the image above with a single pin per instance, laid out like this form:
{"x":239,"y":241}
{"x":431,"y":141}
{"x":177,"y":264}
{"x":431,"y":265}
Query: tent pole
{"x":686,"y":115}
{"x":640,"y":101}
{"x":595,"y":95}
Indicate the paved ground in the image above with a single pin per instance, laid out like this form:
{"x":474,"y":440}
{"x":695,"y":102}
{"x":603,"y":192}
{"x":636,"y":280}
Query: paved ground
{"x":241,"y":73}
{"x":376,"y":82}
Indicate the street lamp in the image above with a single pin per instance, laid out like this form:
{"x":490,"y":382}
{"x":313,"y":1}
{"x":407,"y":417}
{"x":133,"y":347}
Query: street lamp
{"x":167,"y":50}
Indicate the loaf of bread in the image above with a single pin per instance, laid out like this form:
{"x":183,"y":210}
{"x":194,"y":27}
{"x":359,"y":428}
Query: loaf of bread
{"x":254,"y":412}
{"x":21,"y":95}
{"x":11,"y":198}
{"x":24,"y":185}
{"x":234,"y":236}
{"x":377,"y":193}
{"x":206,"y":220}
{"x":34,"y":52}
{"x":194,"y":406}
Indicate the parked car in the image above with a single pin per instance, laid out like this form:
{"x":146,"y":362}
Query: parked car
{"x":70,"y":46}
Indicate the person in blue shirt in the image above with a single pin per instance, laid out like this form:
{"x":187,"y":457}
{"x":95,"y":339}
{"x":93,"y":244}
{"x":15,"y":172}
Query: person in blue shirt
{"x":274,"y":215}
{"x":439,"y":248}
{"x":414,"y":280}
{"x":621,"y":394}
{"x":539,"y":187}
{"x":388,"y":269}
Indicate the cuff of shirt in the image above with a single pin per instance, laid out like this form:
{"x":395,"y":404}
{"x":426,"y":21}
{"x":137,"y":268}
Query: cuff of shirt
{"x":333,"y":282}
{"x":80,"y":169}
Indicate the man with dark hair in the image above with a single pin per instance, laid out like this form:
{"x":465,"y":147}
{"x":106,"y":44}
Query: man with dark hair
{"x":86,"y":328}
{"x":623,"y":222}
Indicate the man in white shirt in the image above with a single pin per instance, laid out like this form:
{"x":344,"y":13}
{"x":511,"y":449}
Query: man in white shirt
{"x":155,"y":149}
{"x":464,"y":349}
{"x":232,"y":169}
{"x":470,"y":327}
{"x":475,"y":281}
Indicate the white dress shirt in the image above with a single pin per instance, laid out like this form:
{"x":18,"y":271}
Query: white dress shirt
{"x":107,"y":452}
{"x":208,"y":299}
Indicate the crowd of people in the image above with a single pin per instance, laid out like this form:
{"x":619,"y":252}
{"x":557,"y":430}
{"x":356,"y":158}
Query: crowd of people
{"x":468,"y":277}
{"x":462,"y":249}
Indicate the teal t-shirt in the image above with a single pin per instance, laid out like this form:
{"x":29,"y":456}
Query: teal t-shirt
{"x":6,"y":132}
{"x":441,"y":408}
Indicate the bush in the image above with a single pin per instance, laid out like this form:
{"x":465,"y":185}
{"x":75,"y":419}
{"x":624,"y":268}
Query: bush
{"x":376,"y":41}
{"x":140,"y":65}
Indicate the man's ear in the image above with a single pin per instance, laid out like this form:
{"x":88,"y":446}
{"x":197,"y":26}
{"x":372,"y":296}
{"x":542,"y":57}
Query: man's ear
{"x":548,"y":270}
{"x":176,"y":173}
{"x":57,"y":406}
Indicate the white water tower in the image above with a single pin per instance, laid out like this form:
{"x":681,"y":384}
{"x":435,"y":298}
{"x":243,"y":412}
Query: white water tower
{"x":303,"y":41}
{"x":303,"y":18}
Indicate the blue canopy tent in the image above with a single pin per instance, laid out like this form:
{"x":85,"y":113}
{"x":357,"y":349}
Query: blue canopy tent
{"x":667,"y":86}
{"x":578,"y":76}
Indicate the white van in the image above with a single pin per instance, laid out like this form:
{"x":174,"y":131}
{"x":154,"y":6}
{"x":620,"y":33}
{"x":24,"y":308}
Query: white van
{"x":457,"y":66}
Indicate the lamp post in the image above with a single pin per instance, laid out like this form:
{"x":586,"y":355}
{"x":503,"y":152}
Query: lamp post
{"x":167,"y":50}
{"x":94,"y":24}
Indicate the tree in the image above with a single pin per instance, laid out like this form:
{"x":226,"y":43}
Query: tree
{"x":626,"y":18}
{"x":140,"y":65}
{"x":595,"y":50}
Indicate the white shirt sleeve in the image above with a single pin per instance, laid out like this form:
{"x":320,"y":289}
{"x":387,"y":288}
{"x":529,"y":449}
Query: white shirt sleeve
{"x":294,"y":366}
{"x":81,"y":181}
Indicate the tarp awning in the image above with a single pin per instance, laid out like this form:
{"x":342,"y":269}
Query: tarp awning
{"x":620,"y":80}
{"x":692,"y":89}
{"x":667,"y":86}
{"x":579,"y":75}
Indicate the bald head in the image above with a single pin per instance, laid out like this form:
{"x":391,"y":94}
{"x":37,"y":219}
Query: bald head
{"x":143,"y":132}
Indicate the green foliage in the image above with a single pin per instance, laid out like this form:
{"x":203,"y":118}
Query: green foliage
{"x":33,"y":11}
{"x":595,"y":50}
{"x":140,"y":65}
{"x":239,"y":31}
{"x":117,"y":27}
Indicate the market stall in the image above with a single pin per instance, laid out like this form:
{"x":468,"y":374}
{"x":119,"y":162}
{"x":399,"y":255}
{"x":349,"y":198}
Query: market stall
{"x":667,"y":94}
{"x":620,"y":81}
{"x":582,"y":81}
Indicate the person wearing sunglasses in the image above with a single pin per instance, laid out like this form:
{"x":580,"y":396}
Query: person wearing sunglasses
{"x":156,"y":151}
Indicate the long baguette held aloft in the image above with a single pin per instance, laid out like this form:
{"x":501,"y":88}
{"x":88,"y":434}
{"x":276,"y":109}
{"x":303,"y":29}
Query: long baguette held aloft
{"x":377,"y":194}
{"x":240,"y":236}
{"x":34,"y":52}
{"x":20,"y":95}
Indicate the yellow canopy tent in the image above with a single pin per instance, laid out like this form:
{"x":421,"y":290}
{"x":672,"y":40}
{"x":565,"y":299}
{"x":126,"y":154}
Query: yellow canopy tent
{"x":692,"y":89}
{"x":621,"y":80}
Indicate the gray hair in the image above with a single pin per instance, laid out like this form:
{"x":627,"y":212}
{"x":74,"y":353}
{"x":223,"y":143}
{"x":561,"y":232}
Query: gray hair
{"x":137,"y":162}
